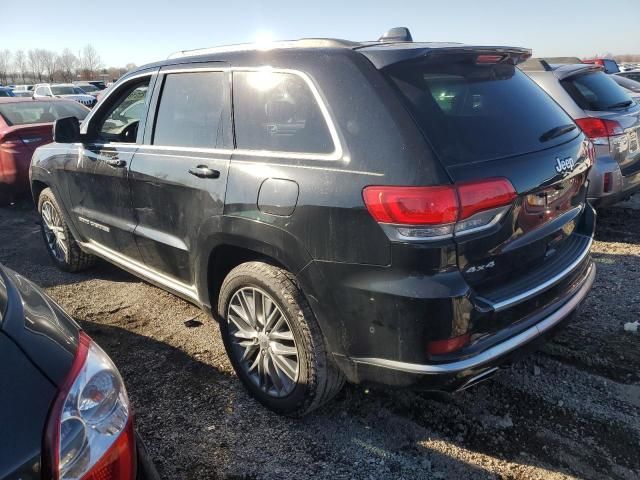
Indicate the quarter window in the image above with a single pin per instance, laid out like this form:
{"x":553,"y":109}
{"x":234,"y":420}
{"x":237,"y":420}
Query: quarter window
{"x":123,"y":118}
{"x":191,"y":110}
{"x":277,"y":112}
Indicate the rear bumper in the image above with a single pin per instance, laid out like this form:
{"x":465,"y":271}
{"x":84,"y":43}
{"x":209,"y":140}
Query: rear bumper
{"x":460,"y":373}
{"x":622,"y":186}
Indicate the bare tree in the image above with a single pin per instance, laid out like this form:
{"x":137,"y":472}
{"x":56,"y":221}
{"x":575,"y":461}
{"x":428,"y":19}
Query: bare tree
{"x":49,"y":61}
{"x":89,"y":61}
{"x":67,"y":63}
{"x":5,"y":65}
{"x":20,"y":64}
{"x":35,"y":62}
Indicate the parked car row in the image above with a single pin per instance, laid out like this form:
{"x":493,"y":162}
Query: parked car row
{"x":85,"y":92}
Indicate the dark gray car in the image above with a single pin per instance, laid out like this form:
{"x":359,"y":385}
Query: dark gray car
{"x":607,"y":114}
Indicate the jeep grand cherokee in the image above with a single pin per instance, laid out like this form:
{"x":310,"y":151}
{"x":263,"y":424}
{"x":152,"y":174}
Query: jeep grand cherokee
{"x":396,"y":212}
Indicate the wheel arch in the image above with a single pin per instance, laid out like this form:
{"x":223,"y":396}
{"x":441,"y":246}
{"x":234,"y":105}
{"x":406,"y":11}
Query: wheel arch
{"x":225,"y":242}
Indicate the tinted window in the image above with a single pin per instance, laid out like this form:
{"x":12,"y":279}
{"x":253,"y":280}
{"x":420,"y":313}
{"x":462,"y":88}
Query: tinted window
{"x":64,"y":90}
{"x":596,"y":91}
{"x":123,"y":117}
{"x":190,"y":110}
{"x":610,"y":66}
{"x":40,"y":112}
{"x":278,"y":112}
{"x":472,"y":113}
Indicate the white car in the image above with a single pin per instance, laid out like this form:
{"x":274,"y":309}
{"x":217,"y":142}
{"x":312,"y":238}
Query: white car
{"x":64,"y":90}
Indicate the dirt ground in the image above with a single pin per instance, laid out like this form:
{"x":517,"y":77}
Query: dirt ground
{"x":570,"y":411}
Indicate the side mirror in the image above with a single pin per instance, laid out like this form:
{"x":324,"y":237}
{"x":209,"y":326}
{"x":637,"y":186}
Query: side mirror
{"x":66,"y":130}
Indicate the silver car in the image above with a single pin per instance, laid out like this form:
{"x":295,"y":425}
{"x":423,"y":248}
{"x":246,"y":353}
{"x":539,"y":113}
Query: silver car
{"x":607,"y":114}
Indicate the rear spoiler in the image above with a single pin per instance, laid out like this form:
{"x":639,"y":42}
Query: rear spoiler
{"x":383,"y":56}
{"x":561,"y":71}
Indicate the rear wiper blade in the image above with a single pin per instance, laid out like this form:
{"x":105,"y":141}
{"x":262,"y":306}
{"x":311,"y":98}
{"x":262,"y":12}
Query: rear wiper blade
{"x":624,"y":104}
{"x":557,"y":131}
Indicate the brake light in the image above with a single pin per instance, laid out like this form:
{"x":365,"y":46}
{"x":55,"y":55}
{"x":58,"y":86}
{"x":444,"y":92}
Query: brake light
{"x":595,"y":128}
{"x":607,"y":182}
{"x":412,"y":205}
{"x":441,"y":347}
{"x":438,"y":211}
{"x":489,"y":59}
{"x":484,"y":195}
{"x":89,"y":432}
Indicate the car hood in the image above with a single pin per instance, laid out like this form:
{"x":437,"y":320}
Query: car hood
{"x":40,"y":328}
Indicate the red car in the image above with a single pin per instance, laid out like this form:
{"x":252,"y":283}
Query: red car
{"x":25,"y":124}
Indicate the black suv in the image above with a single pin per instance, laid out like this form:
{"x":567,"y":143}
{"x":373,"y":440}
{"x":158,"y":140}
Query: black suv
{"x":393,"y":212}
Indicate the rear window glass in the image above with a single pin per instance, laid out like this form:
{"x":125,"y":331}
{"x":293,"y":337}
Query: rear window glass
{"x":40,"y":112}
{"x":278,"y":112}
{"x":190,"y":111}
{"x":596,"y":91}
{"x":473,"y":113}
{"x":611,"y":66}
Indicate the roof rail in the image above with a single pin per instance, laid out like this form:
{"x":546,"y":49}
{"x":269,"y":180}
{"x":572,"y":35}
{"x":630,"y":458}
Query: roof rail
{"x":302,"y":43}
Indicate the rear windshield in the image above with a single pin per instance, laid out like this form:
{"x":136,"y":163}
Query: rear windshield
{"x":610,"y":66}
{"x":24,"y":113}
{"x":596,"y":91}
{"x":473,"y":113}
{"x":64,"y":90}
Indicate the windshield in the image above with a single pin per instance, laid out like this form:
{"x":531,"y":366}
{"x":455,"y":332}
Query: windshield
{"x":472,"y":113}
{"x":25,"y":113}
{"x":89,"y":88}
{"x":64,"y":90}
{"x":596,"y":91}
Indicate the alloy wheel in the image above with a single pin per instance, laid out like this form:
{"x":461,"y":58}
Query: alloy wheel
{"x":262,"y":340}
{"x":54,"y":231}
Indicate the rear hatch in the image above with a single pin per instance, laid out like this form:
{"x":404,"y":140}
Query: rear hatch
{"x":603,"y":99}
{"x":485,"y":119}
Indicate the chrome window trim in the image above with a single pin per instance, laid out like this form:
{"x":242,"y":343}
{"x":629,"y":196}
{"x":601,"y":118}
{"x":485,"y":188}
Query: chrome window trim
{"x":337,"y":154}
{"x":492,"y":353}
{"x":115,"y":88}
{"x":338,"y":151}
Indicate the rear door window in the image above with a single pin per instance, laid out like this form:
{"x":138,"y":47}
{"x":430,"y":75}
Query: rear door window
{"x":596,"y":91}
{"x":473,"y":113}
{"x":278,"y":112}
{"x":190,"y":113}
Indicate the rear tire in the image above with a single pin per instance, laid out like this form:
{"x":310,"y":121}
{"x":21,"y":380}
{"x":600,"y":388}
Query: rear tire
{"x":58,"y":239}
{"x":264,"y":318}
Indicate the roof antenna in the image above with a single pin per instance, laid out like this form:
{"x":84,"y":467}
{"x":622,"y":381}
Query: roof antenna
{"x":396,"y":34}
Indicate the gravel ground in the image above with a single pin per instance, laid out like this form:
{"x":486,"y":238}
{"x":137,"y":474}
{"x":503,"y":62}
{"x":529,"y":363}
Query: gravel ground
{"x":570,"y":411}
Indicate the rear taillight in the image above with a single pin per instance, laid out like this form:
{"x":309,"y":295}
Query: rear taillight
{"x":604,"y":132}
{"x":423,"y":213}
{"x":89,"y":429}
{"x":441,"y":347}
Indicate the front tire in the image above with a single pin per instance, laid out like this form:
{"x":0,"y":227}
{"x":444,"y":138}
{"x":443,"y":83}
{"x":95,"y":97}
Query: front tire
{"x":62,"y":247}
{"x":273,"y":340}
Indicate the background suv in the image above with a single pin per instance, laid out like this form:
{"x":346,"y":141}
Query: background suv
{"x":63,"y":90}
{"x":418,"y":222}
{"x":607,"y":114}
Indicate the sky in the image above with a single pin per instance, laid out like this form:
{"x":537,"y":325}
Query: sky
{"x":142,"y":31}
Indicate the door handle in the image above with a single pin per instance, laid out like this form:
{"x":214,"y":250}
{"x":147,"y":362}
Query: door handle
{"x":114,"y":162}
{"x":202,"y":171}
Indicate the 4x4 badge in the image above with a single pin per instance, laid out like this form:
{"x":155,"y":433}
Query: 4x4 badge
{"x":564,"y":165}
